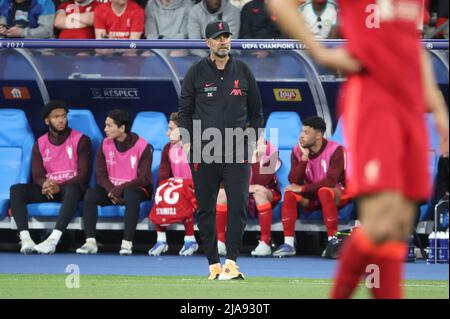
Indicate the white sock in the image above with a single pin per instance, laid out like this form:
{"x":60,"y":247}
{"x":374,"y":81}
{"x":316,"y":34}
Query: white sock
{"x":91,"y":241}
{"x":161,"y":236}
{"x":127,"y":244}
{"x":25,"y":235}
{"x":289,"y":240}
{"x":189,"y":238}
{"x":55,"y":235}
{"x":229,"y":261}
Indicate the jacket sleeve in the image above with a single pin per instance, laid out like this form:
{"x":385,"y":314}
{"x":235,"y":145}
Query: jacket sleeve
{"x":45,"y":22}
{"x":187,"y":104}
{"x":37,"y":166}
{"x":254,"y":103}
{"x":298,"y":169}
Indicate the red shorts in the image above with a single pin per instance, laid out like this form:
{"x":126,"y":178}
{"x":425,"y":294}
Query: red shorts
{"x":387,"y":143}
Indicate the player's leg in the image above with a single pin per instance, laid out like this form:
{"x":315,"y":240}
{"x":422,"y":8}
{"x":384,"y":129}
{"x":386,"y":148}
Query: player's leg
{"x":289,"y":214}
{"x":221,"y":221}
{"x":71,"y":195}
{"x":263,"y":199}
{"x":329,"y":199}
{"x":160,"y":246}
{"x":390,"y":255}
{"x":94,"y":196}
{"x":378,"y":224}
{"x":20,"y":196}
{"x":190,"y":245}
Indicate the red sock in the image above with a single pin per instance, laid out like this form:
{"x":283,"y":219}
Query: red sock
{"x":329,"y":209}
{"x":160,"y":228}
{"x":389,"y":257}
{"x":289,"y":213}
{"x":265,"y":221}
{"x":354,"y":256}
{"x":221,"y":221}
{"x":189,"y":227}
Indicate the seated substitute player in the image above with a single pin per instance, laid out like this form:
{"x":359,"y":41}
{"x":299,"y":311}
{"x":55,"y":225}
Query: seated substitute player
{"x":174,"y":199}
{"x":124,"y":177}
{"x":264,"y":195}
{"x":317,"y":180}
{"x":61,"y":167}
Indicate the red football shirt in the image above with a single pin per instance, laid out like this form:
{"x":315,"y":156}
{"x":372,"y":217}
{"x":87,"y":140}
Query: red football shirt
{"x":73,"y":8}
{"x":120,"y":26}
{"x":383,"y":35}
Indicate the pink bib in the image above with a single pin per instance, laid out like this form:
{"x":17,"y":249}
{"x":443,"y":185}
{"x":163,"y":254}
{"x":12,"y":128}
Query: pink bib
{"x":122,"y":166}
{"x":178,"y":162}
{"x":317,"y":168}
{"x":60,"y":161}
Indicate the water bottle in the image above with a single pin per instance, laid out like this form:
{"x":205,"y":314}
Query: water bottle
{"x":431,"y":248}
{"x":411,"y":255}
{"x":443,"y":248}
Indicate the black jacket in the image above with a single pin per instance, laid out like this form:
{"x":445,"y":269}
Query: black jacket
{"x":220,"y":100}
{"x":257,"y":22}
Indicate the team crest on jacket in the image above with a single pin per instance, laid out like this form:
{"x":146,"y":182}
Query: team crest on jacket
{"x":236,"y":91}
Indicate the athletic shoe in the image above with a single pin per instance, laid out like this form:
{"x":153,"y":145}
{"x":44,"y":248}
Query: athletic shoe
{"x":159,"y":248}
{"x":261,"y":250}
{"x":222,"y":249}
{"x":284,"y":250}
{"x":27,"y":246}
{"x":48,"y":246}
{"x":189,"y":248}
{"x":126,"y":249}
{"x":214,"y":271}
{"x":89,"y":247}
{"x":230,"y":271}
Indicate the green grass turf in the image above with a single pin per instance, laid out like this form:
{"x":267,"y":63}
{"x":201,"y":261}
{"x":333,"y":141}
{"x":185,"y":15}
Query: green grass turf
{"x":183,"y":287}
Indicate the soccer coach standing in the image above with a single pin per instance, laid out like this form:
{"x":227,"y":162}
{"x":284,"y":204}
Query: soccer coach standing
{"x":222,"y":94}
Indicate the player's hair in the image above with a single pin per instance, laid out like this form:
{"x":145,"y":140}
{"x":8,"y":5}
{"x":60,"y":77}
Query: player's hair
{"x":121,"y":117}
{"x":174,"y":117}
{"x":316,"y":122}
{"x":53,"y":105}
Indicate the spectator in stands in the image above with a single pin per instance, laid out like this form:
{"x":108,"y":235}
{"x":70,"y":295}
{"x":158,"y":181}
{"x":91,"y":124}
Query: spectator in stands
{"x":317,"y":178}
{"x":124,"y":177}
{"x":26,"y":19}
{"x":209,"y":11}
{"x":436,"y":19}
{"x":75,"y":19}
{"x":321,"y":17}
{"x":61,"y":168}
{"x":258,"y":23}
{"x":264,"y":195}
{"x":167,"y":19}
{"x":239,"y":3}
{"x":119,"y":19}
{"x":174,"y":172}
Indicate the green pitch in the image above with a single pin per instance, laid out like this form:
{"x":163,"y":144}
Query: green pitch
{"x":182,"y":287}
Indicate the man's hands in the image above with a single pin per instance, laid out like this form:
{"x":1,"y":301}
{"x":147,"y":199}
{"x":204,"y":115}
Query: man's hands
{"x":14,"y":32}
{"x":305,"y":152}
{"x":294,"y":188}
{"x":115,"y":200}
{"x":50,"y":188}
